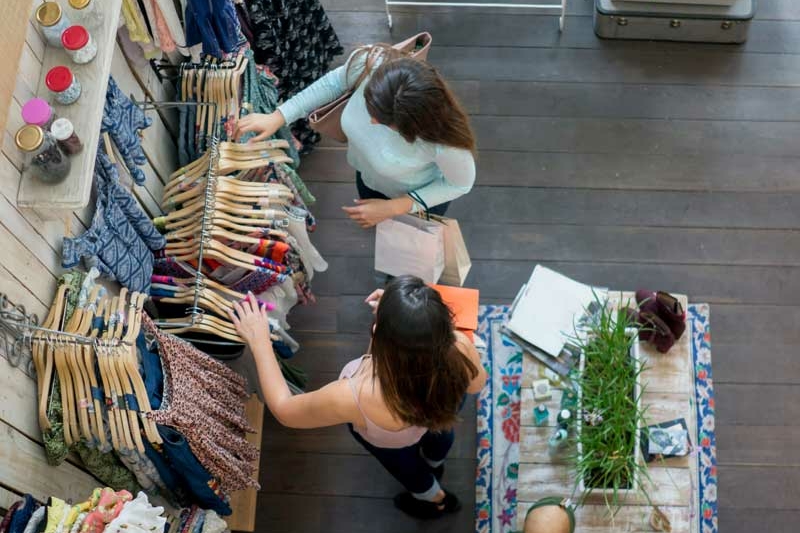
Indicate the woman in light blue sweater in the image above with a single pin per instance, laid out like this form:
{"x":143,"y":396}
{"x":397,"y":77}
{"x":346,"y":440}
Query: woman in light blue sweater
{"x":408,"y":137}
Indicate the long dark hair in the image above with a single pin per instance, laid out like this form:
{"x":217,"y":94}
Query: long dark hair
{"x":422,"y":373}
{"x":411,"y":96}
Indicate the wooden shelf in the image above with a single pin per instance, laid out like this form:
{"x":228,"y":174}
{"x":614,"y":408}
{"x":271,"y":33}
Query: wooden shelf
{"x":86,"y":114}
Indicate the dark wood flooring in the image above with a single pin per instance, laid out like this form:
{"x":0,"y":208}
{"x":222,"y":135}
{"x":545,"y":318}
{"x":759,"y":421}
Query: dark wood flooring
{"x":628,"y":164}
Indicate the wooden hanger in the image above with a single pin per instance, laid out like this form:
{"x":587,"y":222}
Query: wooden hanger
{"x":88,"y":355}
{"x":225,"y":253}
{"x":114,"y":385}
{"x":65,"y":381}
{"x":80,"y":387}
{"x":188,"y":283}
{"x":271,"y":144}
{"x":207,"y":324}
{"x":104,"y":312}
{"x":190,"y":228}
{"x":204,"y":300}
{"x":227,"y":165}
{"x":130,"y":364}
{"x":130,"y":421}
{"x":40,"y":351}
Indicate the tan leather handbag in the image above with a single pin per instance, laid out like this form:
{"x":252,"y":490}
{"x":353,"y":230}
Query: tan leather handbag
{"x":328,"y":119}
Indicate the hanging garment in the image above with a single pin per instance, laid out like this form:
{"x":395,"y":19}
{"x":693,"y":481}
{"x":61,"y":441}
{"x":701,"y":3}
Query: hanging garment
{"x":296,"y":41}
{"x":205,"y":401}
{"x":123,"y":121}
{"x":213,"y":23}
{"x":120,"y":239}
{"x":179,"y":468}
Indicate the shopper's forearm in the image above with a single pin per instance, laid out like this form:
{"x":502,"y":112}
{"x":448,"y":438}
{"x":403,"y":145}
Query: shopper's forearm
{"x":273,"y":384}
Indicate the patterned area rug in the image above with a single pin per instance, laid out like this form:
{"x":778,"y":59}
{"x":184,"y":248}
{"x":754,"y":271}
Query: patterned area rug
{"x":498,"y":424}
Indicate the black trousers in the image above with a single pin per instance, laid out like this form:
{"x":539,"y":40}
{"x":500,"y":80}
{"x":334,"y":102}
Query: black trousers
{"x":365,"y":192}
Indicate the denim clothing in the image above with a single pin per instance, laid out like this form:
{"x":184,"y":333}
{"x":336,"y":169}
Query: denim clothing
{"x":6,"y":521}
{"x":213,"y":23}
{"x":203,"y":488}
{"x":123,"y":120}
{"x":20,"y":517}
{"x":180,"y":470}
{"x":365,"y":192}
{"x":410,"y":465}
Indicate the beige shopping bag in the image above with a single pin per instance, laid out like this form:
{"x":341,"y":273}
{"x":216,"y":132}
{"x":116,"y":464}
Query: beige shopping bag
{"x":410,"y":245}
{"x":456,"y":257}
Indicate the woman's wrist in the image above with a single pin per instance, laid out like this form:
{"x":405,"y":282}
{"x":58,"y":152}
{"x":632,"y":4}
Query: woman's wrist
{"x":402,"y":205}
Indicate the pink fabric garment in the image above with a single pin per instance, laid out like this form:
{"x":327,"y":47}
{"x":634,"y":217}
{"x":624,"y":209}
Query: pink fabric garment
{"x":164,"y":35}
{"x":374,"y":434}
{"x":108,"y":508}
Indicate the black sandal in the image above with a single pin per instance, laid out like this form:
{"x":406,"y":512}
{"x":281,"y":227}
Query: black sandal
{"x":425,"y":510}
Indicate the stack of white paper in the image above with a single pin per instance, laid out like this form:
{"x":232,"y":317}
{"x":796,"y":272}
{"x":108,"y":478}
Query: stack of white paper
{"x":547,"y":308}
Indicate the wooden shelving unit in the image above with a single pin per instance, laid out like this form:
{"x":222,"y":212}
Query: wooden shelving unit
{"x":86,"y":114}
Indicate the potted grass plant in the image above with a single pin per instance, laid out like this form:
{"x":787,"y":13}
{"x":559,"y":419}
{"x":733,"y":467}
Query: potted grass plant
{"x":607,"y":457}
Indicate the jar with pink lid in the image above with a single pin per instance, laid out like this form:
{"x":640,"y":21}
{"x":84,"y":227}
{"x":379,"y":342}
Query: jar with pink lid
{"x":38,"y":112}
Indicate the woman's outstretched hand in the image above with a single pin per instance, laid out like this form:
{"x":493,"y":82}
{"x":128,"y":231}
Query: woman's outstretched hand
{"x":251,"y":322}
{"x":264,"y":125}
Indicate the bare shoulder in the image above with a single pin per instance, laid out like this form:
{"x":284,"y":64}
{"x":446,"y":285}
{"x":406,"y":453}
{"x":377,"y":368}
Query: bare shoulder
{"x":466,"y":347}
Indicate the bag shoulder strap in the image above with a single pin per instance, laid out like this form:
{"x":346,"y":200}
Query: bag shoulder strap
{"x":416,"y":197}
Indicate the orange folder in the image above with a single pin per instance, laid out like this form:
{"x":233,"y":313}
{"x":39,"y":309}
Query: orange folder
{"x":464,"y":305}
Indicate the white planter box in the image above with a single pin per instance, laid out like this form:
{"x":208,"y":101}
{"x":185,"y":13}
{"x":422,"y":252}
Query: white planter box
{"x":622,"y":493}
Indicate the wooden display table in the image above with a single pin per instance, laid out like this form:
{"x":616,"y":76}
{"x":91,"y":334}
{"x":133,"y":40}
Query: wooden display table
{"x":244,"y":502}
{"x":669,"y":394}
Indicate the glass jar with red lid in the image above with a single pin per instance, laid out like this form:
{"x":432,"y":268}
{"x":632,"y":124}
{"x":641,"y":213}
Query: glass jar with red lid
{"x":64,"y":85}
{"x":79,"y":44}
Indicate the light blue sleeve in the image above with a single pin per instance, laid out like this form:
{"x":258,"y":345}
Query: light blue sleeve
{"x":458,"y":176}
{"x":326,"y":89}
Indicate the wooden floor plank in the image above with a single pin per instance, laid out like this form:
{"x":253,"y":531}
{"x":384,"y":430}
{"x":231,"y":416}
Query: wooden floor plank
{"x":349,"y":475}
{"x":628,"y":65}
{"x":534,"y":205}
{"x":648,"y":172}
{"x":290,"y":513}
{"x":599,"y":243}
{"x":505,"y":28}
{"x":747,"y":487}
{"x":502,"y":280}
{"x":756,"y":363}
{"x":757,"y":405}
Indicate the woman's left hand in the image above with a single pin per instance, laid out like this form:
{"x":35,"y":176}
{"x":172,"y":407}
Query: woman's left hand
{"x":371,"y":211}
{"x":250,"y":320}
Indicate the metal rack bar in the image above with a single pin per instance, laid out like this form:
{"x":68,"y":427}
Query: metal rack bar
{"x":195,"y":311}
{"x":550,"y":9}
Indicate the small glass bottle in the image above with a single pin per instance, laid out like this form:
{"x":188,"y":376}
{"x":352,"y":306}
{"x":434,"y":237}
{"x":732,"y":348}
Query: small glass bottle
{"x":564,"y":418}
{"x":79,"y":44}
{"x":87,"y":13}
{"x":557,"y":440}
{"x":52,"y":21}
{"x":51,"y":163}
{"x":64,"y":132}
{"x":38,"y":112}
{"x":64,"y":85}
{"x":541,"y":415}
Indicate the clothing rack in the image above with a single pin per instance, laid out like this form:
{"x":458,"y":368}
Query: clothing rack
{"x":194,"y":312}
{"x":16,"y":334}
{"x":548,"y":9}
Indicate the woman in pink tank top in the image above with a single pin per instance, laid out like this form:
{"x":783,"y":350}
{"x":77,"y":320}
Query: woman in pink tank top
{"x":400,"y":401}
